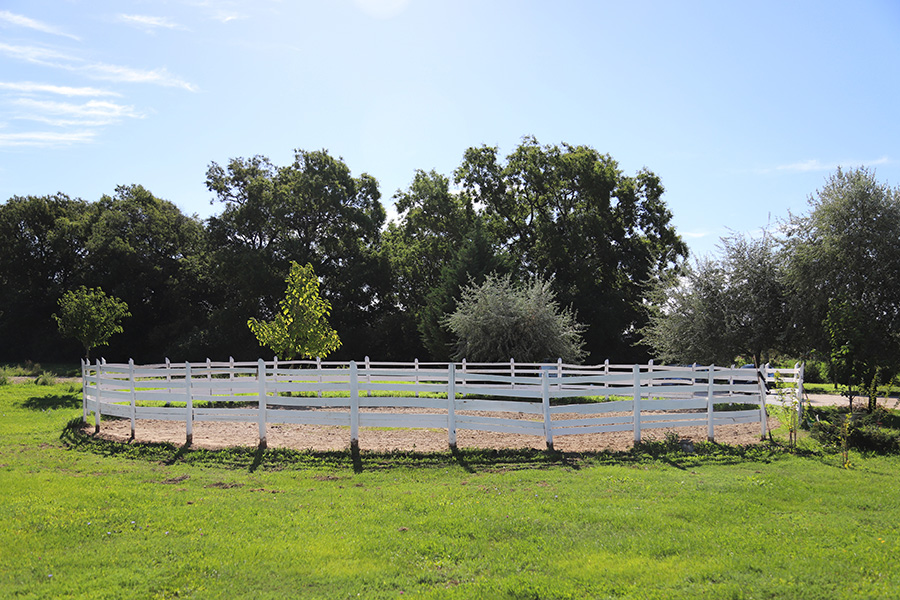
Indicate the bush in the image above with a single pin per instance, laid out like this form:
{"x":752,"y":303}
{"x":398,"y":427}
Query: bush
{"x":878,"y":431}
{"x":45,"y":379}
{"x":500,"y":319}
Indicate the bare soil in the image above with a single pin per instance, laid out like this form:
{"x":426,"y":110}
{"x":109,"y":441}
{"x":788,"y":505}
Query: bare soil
{"x":214,"y":435}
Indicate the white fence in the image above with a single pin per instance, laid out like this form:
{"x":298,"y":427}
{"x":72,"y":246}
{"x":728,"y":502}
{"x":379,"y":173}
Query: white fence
{"x":548,"y":400}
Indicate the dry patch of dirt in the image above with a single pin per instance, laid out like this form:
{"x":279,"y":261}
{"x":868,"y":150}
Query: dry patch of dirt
{"x":215,"y":435}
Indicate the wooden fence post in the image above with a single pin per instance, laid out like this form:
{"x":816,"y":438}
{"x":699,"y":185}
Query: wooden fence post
{"x":451,"y":405}
{"x":761,"y":376}
{"x":636,"y":370}
{"x":354,"y":407}
{"x":319,"y":371}
{"x":710,"y":406}
{"x":84,"y":409}
{"x":131,"y":402}
{"x":189,"y":407}
{"x":97,"y":409}
{"x":261,"y":386}
{"x":559,"y":374}
{"x":545,"y":404}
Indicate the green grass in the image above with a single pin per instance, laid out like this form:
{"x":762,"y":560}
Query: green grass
{"x":83,"y":518}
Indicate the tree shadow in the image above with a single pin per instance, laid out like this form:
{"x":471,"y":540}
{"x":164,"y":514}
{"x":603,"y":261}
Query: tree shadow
{"x":53,"y":402}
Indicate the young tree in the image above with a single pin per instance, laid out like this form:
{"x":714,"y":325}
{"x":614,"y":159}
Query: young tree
{"x":301,"y":325}
{"x":843,"y":263}
{"x":499,"y":320}
{"x":90,"y":316}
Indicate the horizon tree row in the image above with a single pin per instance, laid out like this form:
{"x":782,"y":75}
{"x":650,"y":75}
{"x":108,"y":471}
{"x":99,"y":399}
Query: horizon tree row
{"x":564,"y":214}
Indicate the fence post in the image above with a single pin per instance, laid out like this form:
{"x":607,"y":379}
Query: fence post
{"x":801,"y":368}
{"x":606,"y":375}
{"x":168,"y":381}
{"x":464,"y":371}
{"x":559,"y":374}
{"x":710,"y":428}
{"x":209,"y":374}
{"x":761,"y":376}
{"x":451,"y":405}
{"x":545,"y":402}
{"x":319,"y":371}
{"x":261,"y":385}
{"x":417,"y":377}
{"x":84,"y":410}
{"x":636,"y":370}
{"x":512,"y":372}
{"x":354,"y":407}
{"x":97,"y":416}
{"x":189,"y":407}
{"x":131,"y":402}
{"x":368,"y":377}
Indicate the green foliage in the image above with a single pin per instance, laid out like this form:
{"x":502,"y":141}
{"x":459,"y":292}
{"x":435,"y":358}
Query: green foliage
{"x":718,"y":310}
{"x":499,"y":320}
{"x":567,"y":213}
{"x":877,"y":431}
{"x":45,"y":379}
{"x":842,"y":261}
{"x":90,"y":316}
{"x":301,"y":326}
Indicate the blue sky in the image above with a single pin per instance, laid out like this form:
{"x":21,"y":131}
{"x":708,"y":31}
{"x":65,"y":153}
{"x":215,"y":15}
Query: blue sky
{"x":742,"y":109}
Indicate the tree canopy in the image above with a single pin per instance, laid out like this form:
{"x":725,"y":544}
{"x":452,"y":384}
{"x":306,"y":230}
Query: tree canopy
{"x":301,"y":326}
{"x":90,"y":316}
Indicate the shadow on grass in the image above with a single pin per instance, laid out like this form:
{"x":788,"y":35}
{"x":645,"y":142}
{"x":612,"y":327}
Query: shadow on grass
{"x":471,"y":460}
{"x":53,"y":402}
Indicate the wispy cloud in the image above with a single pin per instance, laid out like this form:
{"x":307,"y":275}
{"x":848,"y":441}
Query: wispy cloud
{"x":53,"y":58}
{"x":149,"y":23}
{"x":160,"y":76}
{"x":30,"y":87}
{"x":693,"y":235}
{"x":23,"y":21}
{"x":45,"y":139}
{"x":93,"y":113}
{"x":814,"y":165}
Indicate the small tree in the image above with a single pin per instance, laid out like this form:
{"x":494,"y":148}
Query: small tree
{"x":301,"y":325}
{"x":90,"y":316}
{"x":498,"y":320}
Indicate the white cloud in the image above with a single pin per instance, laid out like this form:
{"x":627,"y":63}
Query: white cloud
{"x":23,"y":21}
{"x":159,"y":76}
{"x":814,"y":165}
{"x":45,"y":139}
{"x":30,"y":87}
{"x":93,"y":113}
{"x":53,"y":58}
{"x":149,"y":23}
{"x":693,"y":235}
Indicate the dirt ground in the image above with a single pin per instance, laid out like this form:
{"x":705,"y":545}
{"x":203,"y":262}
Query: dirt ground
{"x":215,"y":435}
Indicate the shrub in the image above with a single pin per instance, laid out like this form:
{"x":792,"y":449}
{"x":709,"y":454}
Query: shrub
{"x":867,"y":432}
{"x":499,"y":320}
{"x":45,"y":379}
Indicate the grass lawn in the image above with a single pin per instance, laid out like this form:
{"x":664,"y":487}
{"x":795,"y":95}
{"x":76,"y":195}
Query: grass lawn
{"x":80,"y":518}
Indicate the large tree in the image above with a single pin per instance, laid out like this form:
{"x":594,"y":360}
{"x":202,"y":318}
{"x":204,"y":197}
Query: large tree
{"x":843,"y":262}
{"x":311,"y":211}
{"x":570,"y":214}
{"x":90,"y":316}
{"x":717,"y":310}
{"x":42,"y":255}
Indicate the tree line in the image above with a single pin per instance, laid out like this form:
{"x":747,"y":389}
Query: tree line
{"x":560,"y":216}
{"x":823,"y":285}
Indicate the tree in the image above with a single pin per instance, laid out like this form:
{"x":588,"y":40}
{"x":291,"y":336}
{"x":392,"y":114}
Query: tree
{"x":500,"y":319}
{"x":301,"y":325}
{"x":311,"y":211}
{"x":568,"y":214}
{"x":42,"y":255}
{"x":843,"y":263}
{"x":90,"y":316}
{"x":718,"y":310}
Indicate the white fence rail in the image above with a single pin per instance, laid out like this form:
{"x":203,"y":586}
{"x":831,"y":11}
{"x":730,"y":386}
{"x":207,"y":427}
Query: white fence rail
{"x":548,"y":400}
